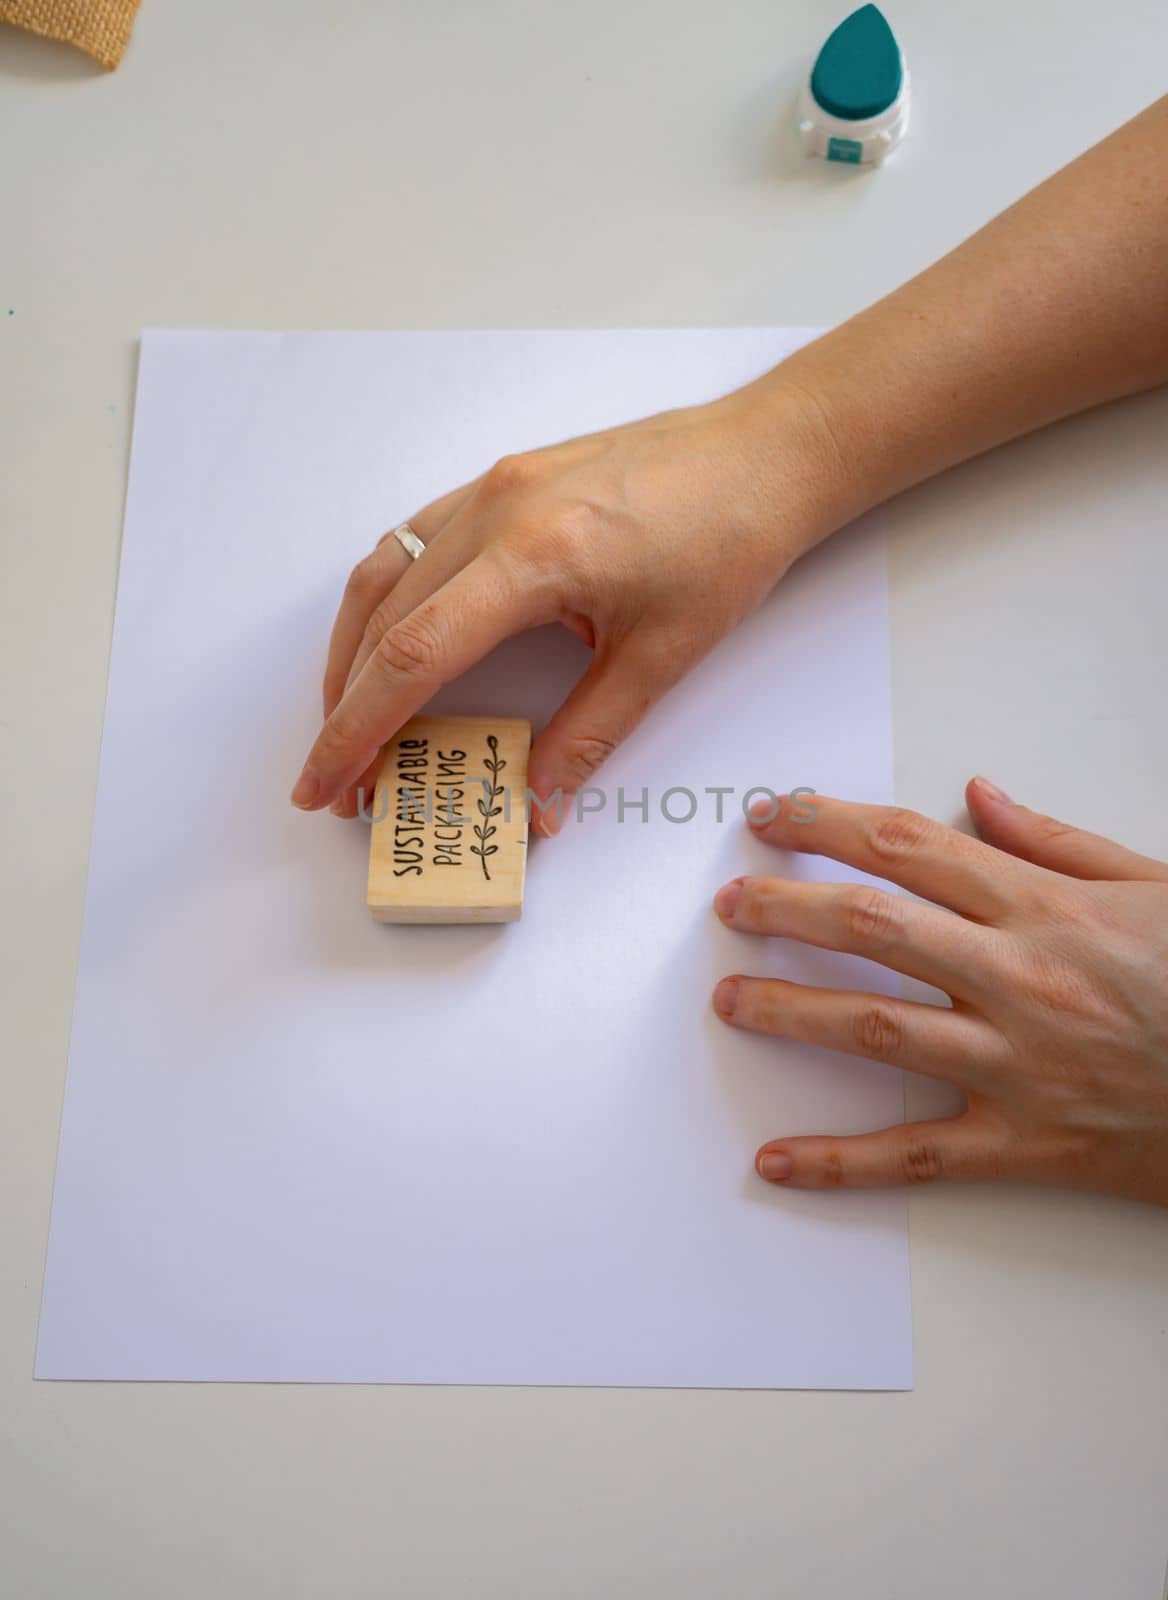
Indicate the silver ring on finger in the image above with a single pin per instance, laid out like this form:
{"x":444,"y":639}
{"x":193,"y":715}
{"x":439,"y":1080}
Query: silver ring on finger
{"x":408,"y":540}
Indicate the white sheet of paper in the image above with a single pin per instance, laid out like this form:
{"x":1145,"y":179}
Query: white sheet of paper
{"x":300,"y":1146}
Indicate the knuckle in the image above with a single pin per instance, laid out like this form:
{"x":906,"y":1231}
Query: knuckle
{"x":509,"y":475}
{"x":831,"y":1169}
{"x":379,"y":624}
{"x":584,"y":754}
{"x":558,"y":543}
{"x":1050,"y":830}
{"x":1069,"y":993}
{"x":573,"y":524}
{"x":409,"y":649}
{"x":920,"y":1161}
{"x":362,"y":579}
{"x":877,"y":1031}
{"x":1078,"y":909}
{"x":337,"y":737}
{"x":898,"y":835}
{"x":871,"y":917}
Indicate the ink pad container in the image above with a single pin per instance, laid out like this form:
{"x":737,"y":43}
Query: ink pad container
{"x":854,"y":105}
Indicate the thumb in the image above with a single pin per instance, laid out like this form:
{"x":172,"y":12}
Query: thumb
{"x":602,"y":710}
{"x":1055,"y":845}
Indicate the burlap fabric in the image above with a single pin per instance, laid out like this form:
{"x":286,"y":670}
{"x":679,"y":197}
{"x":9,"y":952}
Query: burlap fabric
{"x":99,"y":27}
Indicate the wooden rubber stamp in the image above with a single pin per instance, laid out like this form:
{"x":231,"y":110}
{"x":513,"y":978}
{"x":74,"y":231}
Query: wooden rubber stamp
{"x":449,"y":835}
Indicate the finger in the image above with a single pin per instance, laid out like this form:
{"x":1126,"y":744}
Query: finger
{"x":1054,"y":845}
{"x":369,"y":582}
{"x":359,"y":796}
{"x":921,"y":941}
{"x":444,"y":636}
{"x":438,"y":563}
{"x":920,"y":855}
{"x":933,"y":1040}
{"x":423,"y":578}
{"x":913,"y":1152}
{"x":602,"y":710}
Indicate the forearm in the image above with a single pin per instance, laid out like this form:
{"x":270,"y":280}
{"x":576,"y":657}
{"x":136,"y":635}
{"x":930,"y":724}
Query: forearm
{"x":1059,"y":304}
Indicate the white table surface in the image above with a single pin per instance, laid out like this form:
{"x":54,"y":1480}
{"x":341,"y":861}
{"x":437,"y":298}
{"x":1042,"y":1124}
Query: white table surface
{"x":454,"y":163}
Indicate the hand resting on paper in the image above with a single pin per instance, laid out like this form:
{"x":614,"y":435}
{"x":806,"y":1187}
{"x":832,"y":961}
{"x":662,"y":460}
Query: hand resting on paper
{"x":653,"y":540}
{"x":1052,"y":945}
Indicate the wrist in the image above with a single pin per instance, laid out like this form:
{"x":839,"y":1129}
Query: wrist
{"x":800,"y":481}
{"x":832,"y":459}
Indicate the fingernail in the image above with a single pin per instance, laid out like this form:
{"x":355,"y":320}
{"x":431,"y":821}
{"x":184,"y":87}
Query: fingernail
{"x":727,"y":898}
{"x":992,"y":792}
{"x":774,"y":1166}
{"x":338,"y":807}
{"x":761,"y":812}
{"x":726,"y":997}
{"x":548,"y":813}
{"x":306,"y":790}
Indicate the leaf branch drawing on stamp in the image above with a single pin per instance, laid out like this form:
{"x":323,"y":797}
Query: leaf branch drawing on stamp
{"x":487,"y":807}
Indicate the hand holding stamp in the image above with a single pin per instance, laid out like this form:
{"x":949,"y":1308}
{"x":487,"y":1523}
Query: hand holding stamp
{"x":449,"y":835}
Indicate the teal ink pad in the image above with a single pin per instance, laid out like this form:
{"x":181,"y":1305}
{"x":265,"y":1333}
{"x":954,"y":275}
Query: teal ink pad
{"x":854,"y":105}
